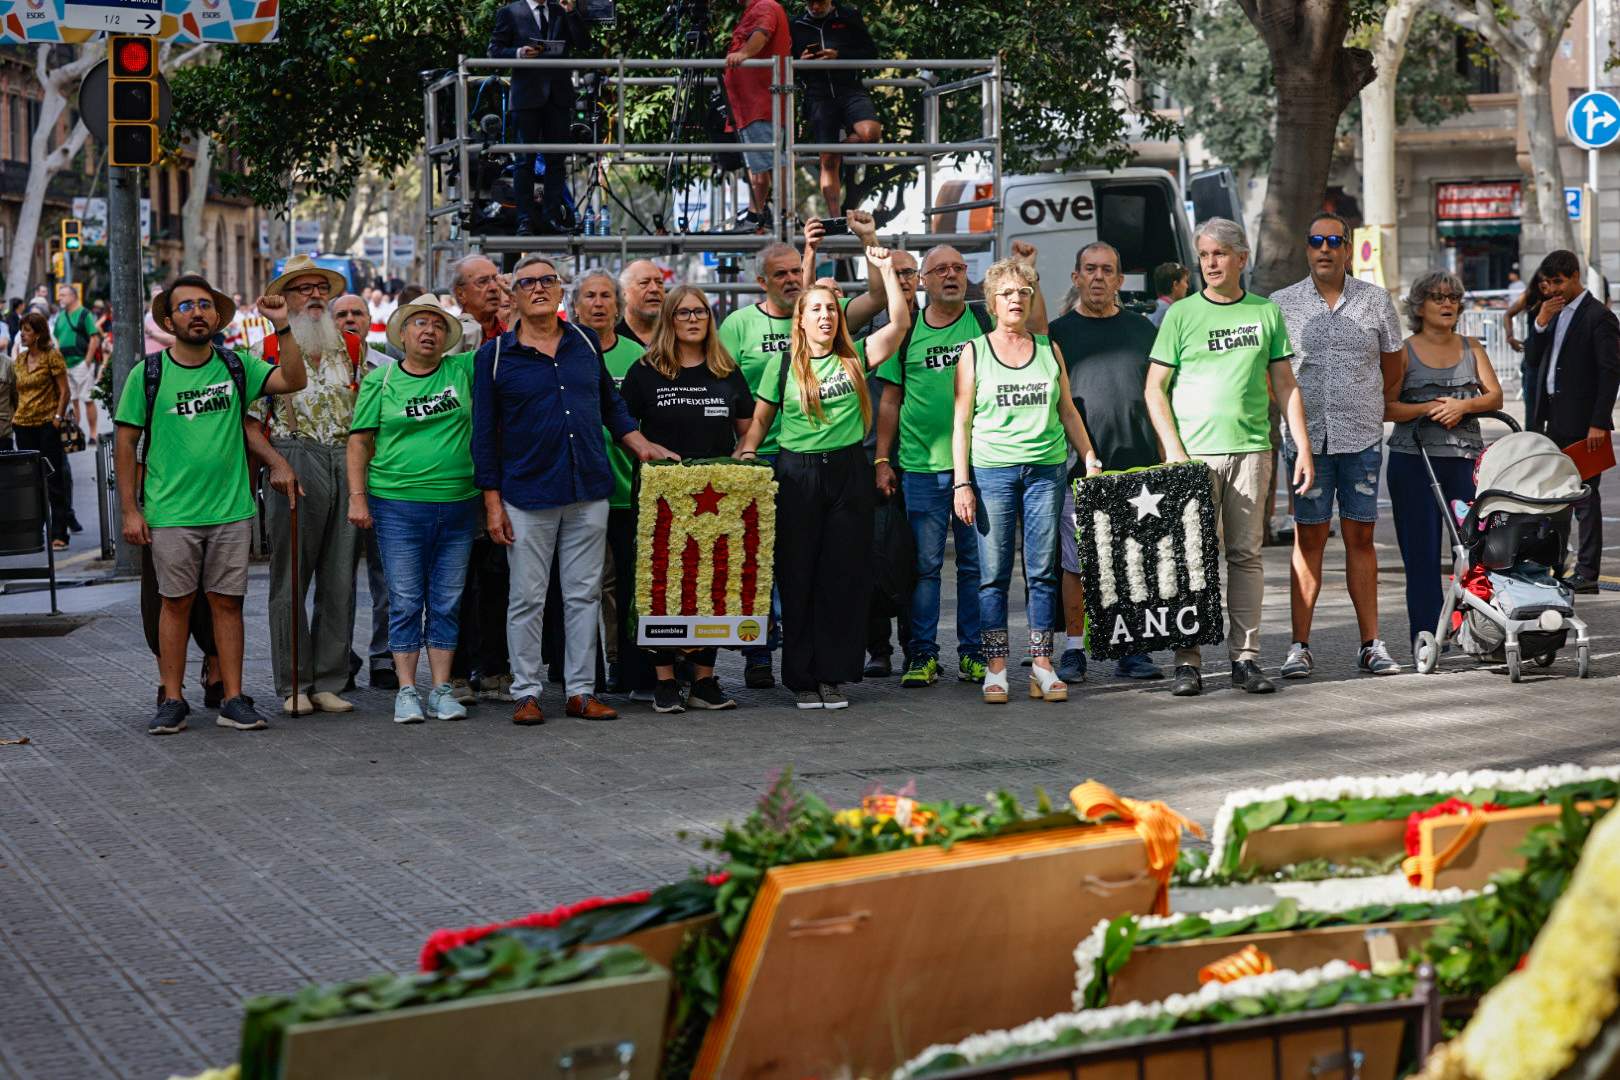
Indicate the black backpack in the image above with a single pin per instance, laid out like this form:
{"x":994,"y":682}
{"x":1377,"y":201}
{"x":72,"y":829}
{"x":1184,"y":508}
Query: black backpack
{"x":152,"y":374}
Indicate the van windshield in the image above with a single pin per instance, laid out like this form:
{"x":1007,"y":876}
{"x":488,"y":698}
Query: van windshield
{"x":1136,"y":219}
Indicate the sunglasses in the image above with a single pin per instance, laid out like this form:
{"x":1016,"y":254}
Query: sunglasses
{"x":692,"y":313}
{"x":544,"y":281}
{"x":186,"y":307}
{"x":1334,"y":243}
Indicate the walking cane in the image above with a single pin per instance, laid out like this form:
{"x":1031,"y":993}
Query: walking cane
{"x":297,"y":600}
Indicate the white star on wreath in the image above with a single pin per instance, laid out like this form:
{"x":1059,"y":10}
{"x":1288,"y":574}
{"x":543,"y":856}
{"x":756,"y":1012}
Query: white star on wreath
{"x":1146,"y":503}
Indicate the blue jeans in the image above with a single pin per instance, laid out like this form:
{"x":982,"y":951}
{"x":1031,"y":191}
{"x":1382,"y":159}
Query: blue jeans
{"x":1421,"y":531}
{"x":424,"y":547}
{"x":930,"y":512}
{"x":1035,"y":492}
{"x":1351,"y":477}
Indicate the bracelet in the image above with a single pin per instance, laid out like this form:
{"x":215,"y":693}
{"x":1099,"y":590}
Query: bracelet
{"x":959,"y":487}
{"x":284,"y":330}
{"x":749,"y":454}
{"x":881,"y":461}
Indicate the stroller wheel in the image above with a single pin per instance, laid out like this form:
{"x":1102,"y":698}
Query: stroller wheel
{"x":1583,"y":661}
{"x":1545,"y":660}
{"x":1513,"y":665}
{"x":1426,"y":653}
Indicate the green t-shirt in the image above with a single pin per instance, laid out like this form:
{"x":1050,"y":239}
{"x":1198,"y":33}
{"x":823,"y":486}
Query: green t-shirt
{"x":196,"y":466}
{"x":1015,"y":410}
{"x":753,"y":339}
{"x":927,"y":374}
{"x":1220,"y":353}
{"x":619,"y":358}
{"x":424,"y":430}
{"x":840,"y":406}
{"x":73,"y":333}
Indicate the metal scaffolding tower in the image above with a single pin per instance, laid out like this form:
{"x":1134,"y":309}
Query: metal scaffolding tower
{"x":458,"y":149}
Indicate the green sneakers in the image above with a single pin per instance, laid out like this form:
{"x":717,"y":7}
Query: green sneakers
{"x":971,"y":669}
{"x":921,"y":672}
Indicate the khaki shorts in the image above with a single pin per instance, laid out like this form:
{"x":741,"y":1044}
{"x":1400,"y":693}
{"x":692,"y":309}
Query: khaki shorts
{"x":81,"y":380}
{"x":213,"y":556}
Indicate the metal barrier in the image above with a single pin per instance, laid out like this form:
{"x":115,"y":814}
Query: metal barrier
{"x":449,"y":164}
{"x":1490,"y":327}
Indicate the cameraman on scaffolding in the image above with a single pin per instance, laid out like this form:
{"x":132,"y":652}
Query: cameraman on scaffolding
{"x":541,"y":100}
{"x":839,"y":108}
{"x":761,"y":33}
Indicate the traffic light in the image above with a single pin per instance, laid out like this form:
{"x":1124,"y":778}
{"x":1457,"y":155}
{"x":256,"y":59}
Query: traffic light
{"x":132,"y":100}
{"x":72,"y":236}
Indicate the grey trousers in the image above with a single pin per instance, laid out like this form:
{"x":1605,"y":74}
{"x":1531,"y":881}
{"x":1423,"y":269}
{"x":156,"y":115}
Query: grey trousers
{"x":328,"y":549}
{"x":577,"y":533}
{"x":380,"y":656}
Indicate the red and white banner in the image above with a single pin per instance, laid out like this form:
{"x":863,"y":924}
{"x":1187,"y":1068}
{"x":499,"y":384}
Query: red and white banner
{"x":1490,"y":201}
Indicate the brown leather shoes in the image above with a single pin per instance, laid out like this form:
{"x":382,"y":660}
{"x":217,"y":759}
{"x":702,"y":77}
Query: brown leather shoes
{"x":586,"y":707}
{"x":528,"y":712}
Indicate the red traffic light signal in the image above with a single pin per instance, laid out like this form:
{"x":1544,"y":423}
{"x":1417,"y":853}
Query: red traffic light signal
{"x":132,"y":58}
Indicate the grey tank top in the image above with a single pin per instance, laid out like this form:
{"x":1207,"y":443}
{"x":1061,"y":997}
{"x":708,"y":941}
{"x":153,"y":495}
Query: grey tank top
{"x":1424,"y":383}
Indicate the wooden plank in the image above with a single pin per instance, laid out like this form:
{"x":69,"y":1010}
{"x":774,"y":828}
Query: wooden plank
{"x":1283,"y":845}
{"x":660,"y":943}
{"x":494,"y":1037}
{"x":1157,"y":971}
{"x":1495,"y":848}
{"x":861,"y":963}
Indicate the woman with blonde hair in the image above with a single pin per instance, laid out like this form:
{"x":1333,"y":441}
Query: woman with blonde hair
{"x":687,"y":394}
{"x":1015,"y":422}
{"x":826,"y":492}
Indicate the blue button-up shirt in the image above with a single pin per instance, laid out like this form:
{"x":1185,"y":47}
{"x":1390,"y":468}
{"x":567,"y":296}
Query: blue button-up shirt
{"x":538,"y":420}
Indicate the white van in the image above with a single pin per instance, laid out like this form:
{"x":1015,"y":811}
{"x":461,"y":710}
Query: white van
{"x":1138,"y":210}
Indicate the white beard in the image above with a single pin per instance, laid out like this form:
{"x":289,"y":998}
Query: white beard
{"x":318,"y":335}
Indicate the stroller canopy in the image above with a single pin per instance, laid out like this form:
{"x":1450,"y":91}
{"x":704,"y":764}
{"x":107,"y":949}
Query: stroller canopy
{"x":1526,"y":473}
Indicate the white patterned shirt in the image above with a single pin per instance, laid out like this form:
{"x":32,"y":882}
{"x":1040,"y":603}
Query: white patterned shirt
{"x":1338,"y":361}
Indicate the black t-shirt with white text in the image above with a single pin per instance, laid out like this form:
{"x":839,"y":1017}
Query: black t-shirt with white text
{"x":693,"y":414}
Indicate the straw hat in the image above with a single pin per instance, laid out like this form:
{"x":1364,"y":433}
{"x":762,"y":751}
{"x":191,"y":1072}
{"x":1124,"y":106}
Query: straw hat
{"x":429,"y":303}
{"x":224,"y":306}
{"x":299,"y":266}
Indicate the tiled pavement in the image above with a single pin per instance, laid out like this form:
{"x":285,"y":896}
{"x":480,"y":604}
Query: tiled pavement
{"x":148,"y":885}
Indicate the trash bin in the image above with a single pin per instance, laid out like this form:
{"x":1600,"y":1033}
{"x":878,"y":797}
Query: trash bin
{"x":25,"y":516}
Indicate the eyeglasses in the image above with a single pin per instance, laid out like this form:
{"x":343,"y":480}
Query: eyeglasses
{"x":544,"y":281}
{"x":692,"y":313}
{"x":186,"y":307}
{"x":1334,"y":243}
{"x":1023,"y":292}
{"x":948,"y":268}
{"x":1445,"y":297}
{"x":311,"y":288}
{"x":907,"y":274}
{"x":425,"y":322}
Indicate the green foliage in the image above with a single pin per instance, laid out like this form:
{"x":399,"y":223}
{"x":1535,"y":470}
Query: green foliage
{"x":499,"y":964}
{"x":1289,"y":811}
{"x":340,"y":85}
{"x":1230,"y":100}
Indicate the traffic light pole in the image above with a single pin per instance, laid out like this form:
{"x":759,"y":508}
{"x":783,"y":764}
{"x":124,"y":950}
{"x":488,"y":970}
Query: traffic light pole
{"x":124,"y":262}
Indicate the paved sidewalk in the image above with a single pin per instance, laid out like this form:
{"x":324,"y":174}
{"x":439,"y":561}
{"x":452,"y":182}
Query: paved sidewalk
{"x":148,"y":885}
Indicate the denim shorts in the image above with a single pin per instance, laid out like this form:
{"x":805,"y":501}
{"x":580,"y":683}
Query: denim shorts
{"x":758,"y":134}
{"x":1352,"y":478}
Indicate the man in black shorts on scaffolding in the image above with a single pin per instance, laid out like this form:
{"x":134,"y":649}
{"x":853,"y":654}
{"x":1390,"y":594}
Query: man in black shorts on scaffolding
{"x":835,"y":102}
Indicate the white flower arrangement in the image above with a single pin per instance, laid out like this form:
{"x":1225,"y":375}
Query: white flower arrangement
{"x":1438,"y":784}
{"x":1094,"y":1021}
{"x":1103,"y":537}
{"x":1135,"y":575}
{"x":1332,"y":896}
{"x":1167,"y":568}
{"x":1193,"y":534}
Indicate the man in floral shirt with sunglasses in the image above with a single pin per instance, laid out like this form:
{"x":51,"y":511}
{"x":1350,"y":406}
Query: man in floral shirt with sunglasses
{"x":1347,"y":344}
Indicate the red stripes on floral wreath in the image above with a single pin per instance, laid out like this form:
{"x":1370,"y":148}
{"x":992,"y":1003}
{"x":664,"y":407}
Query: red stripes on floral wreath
{"x":717,"y":587}
{"x":750,"y":566}
{"x":689,"y":568}
{"x":660,"y":558}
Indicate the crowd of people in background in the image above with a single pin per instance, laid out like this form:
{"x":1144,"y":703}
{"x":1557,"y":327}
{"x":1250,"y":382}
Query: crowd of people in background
{"x":480,"y":449}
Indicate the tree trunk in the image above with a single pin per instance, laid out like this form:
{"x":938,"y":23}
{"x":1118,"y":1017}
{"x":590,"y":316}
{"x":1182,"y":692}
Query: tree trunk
{"x":352,"y":222}
{"x":44,"y":162}
{"x":193,"y":229}
{"x":1308,"y":109}
{"x":1546,"y":202}
{"x":1379,"y":202}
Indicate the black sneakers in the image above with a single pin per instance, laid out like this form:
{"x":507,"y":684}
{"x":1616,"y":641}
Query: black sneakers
{"x":667,"y":697}
{"x":240,"y":714}
{"x":757,"y":676}
{"x":170,"y":718}
{"x":706,"y":694}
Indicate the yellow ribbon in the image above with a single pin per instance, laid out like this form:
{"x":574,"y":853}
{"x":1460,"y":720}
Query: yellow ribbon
{"x":1159,"y":827}
{"x":1423,"y":868}
{"x":1247,"y":961}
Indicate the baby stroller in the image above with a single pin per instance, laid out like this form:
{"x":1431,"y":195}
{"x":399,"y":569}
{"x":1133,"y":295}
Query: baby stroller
{"x":1507,"y":590}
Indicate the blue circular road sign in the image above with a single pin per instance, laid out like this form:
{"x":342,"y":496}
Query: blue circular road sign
{"x":1593,"y":120}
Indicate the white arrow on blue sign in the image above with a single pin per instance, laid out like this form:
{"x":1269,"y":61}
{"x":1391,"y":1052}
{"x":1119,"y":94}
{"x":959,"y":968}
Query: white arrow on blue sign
{"x":1593,"y":120}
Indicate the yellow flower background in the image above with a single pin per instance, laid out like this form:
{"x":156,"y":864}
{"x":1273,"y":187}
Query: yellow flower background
{"x":678,"y":485}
